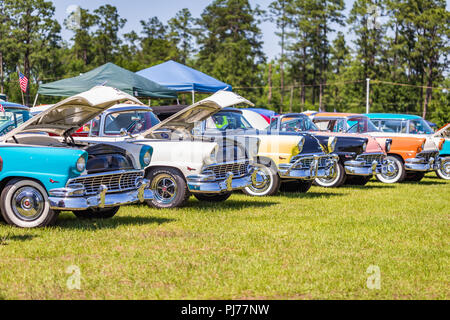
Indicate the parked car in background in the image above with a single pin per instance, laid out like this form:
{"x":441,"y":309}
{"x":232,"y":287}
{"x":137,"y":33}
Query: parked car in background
{"x":291,"y":162}
{"x":14,"y":115}
{"x":360,"y":156}
{"x":41,"y":175}
{"x":412,"y":124}
{"x":409,"y":156}
{"x":181,"y":163}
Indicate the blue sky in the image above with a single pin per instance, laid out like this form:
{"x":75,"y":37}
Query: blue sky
{"x":136,"y":10}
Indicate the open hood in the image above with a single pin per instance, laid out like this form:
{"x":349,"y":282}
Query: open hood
{"x":186,"y":118}
{"x":67,"y":116}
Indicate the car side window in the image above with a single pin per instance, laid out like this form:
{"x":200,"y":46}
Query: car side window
{"x":95,"y":127}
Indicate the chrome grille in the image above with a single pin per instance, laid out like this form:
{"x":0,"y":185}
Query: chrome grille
{"x":427,"y":155}
{"x":371,"y":157}
{"x":306,"y":163}
{"x":238,"y":169}
{"x":115,"y":182}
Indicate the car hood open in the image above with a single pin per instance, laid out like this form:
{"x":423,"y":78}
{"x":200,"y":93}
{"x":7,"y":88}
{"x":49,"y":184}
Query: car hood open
{"x":186,"y":118}
{"x":67,"y":116}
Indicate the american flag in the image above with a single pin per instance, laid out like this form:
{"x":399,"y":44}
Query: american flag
{"x":23,"y":81}
{"x":1,"y":108}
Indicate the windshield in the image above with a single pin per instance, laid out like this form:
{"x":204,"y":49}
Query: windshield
{"x":11,"y":119}
{"x":228,"y":121}
{"x":413,"y":126}
{"x":294,"y":124}
{"x":132,"y":121}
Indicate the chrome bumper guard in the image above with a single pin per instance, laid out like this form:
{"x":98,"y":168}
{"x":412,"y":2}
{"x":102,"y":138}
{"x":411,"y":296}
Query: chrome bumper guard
{"x":291,"y":170}
{"x":421,"y":164}
{"x":361,"y":168}
{"x":208,"y":183}
{"x":74,"y":198}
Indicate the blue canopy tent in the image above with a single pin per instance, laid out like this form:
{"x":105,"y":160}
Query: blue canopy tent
{"x":183,"y":79}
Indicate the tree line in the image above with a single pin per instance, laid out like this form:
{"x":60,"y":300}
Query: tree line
{"x":401,"y":45}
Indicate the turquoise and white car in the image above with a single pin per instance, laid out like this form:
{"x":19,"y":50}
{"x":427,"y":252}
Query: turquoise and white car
{"x":412,"y":124}
{"x":43,"y":171}
{"x":13,"y":115}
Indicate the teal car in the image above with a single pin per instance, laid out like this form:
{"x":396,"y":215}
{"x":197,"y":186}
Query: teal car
{"x":412,"y":124}
{"x":43,"y":171}
{"x":14,"y":115}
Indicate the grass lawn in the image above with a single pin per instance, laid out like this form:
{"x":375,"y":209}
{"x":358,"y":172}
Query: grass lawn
{"x":317,"y":245}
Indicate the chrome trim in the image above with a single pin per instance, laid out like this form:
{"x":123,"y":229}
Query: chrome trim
{"x":101,"y":200}
{"x":367,"y":167}
{"x":422,"y":164}
{"x":207,"y":183}
{"x":72,"y":183}
{"x":291,"y":170}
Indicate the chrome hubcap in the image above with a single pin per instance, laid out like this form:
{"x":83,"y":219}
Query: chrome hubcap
{"x":392,"y":170}
{"x":262,"y":180}
{"x":445,"y":168}
{"x":165,"y":188}
{"x":27,"y":203}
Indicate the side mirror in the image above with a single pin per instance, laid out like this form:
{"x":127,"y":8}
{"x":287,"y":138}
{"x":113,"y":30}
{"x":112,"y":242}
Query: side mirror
{"x":123,"y":132}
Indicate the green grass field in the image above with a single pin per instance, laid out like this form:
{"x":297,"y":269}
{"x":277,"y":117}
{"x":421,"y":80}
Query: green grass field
{"x":317,"y":245}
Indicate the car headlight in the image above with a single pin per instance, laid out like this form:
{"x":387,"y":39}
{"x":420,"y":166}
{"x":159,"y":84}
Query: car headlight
{"x":388,"y":144}
{"x":147,"y":158}
{"x":81,"y":164}
{"x":301,"y":144}
{"x":364,"y":146}
{"x":331,"y":144}
{"x":213,"y":156}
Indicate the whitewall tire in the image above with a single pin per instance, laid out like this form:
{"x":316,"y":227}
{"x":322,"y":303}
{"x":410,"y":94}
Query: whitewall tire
{"x":25,"y":204}
{"x":396,"y":171}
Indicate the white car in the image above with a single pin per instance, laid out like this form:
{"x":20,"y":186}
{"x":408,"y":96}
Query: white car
{"x":181,"y":164}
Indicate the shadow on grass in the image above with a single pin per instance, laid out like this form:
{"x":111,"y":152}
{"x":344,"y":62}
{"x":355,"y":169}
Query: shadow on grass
{"x":310,"y":195}
{"x":425,"y":182}
{"x":369,"y":186}
{"x":5,"y":239}
{"x":98,"y":224}
{"x":231,"y":204}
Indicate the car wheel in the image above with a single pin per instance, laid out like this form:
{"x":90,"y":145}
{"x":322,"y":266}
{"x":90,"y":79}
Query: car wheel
{"x":444,"y":171}
{"x":357,"y":180}
{"x":396,"y":171}
{"x":414,"y":176}
{"x":25,"y":204}
{"x":212,"y":197}
{"x":105,"y":213}
{"x":267,"y":182}
{"x":296,"y":186}
{"x":169,"y":188}
{"x":333,"y":182}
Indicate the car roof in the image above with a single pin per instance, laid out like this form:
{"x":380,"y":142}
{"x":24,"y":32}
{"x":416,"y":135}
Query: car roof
{"x":125,"y":107}
{"x":13,"y":105}
{"x":336,"y":114}
{"x":392,"y":116}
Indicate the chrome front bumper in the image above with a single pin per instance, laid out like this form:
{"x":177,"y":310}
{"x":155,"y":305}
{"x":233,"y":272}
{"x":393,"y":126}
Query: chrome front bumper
{"x":208,"y":183}
{"x":74,"y":198}
{"x":421,"y":164}
{"x":361,"y":168}
{"x":292,"y":170}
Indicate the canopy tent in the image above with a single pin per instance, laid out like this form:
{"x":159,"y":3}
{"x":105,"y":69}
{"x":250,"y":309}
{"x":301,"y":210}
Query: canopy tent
{"x":181,"y":78}
{"x":111,"y":75}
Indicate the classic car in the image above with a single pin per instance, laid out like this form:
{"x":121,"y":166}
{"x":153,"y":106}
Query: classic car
{"x":360,"y":156}
{"x":412,"y":124}
{"x":409,"y":156}
{"x":181,"y":164}
{"x":13,"y":115}
{"x":289,"y":161}
{"x":41,"y":175}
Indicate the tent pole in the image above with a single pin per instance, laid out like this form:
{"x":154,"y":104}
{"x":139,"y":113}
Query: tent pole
{"x":35,"y":99}
{"x":193,"y":96}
